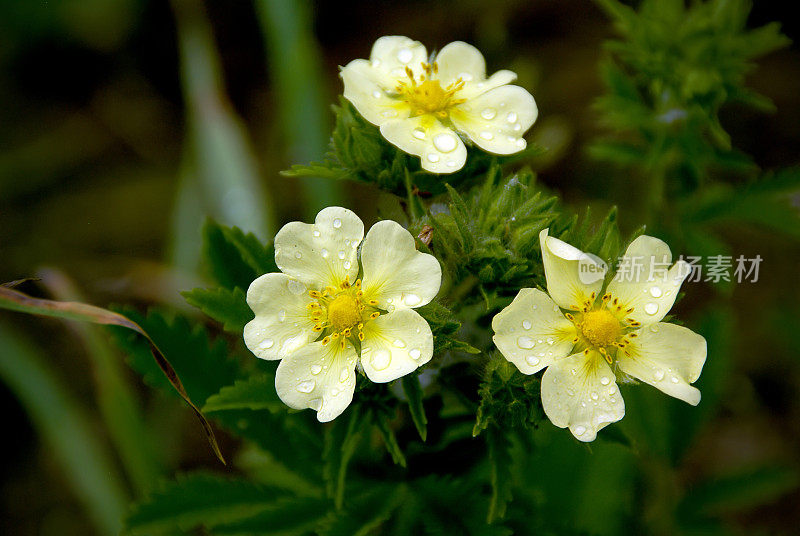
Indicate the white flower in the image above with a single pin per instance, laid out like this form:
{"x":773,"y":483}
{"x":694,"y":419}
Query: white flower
{"x":420,"y":107}
{"x":616,"y":331}
{"x":320,"y":320}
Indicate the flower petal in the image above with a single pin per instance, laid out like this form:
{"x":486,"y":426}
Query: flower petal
{"x":579,"y":392}
{"x":282,"y":324}
{"x":395,"y":273}
{"x":439,"y":148}
{"x":395,"y":344}
{"x":319,"y":377}
{"x":366,"y":88}
{"x":645,"y":281}
{"x":668,"y":357}
{"x":322,"y":253}
{"x":496,"y":120}
{"x":460,"y":60}
{"x":393,"y":53}
{"x":562,"y":269}
{"x":532,"y":332}
{"x":479,"y":87}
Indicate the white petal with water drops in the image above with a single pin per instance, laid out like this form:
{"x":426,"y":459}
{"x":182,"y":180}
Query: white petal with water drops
{"x":424,"y":136}
{"x":395,"y":344}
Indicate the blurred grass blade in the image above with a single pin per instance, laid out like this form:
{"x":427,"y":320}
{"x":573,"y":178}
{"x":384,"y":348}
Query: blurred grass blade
{"x":17,"y":301}
{"x":295,"y":68}
{"x":115,"y":399}
{"x":218,"y":150}
{"x":66,"y":430}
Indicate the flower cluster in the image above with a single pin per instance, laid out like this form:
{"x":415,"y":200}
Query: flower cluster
{"x":326,"y":313}
{"x":611,"y":331}
{"x":422,"y":105}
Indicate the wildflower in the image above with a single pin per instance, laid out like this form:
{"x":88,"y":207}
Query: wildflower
{"x":321,"y":320}
{"x":604,"y":335}
{"x":422,"y":105}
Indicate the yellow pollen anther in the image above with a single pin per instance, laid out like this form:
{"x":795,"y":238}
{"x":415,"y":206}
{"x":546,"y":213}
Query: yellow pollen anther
{"x":374,"y":315}
{"x":600,"y":328}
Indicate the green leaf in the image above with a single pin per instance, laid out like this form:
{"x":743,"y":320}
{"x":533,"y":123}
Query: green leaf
{"x":235,"y":258}
{"x":199,"y":499}
{"x":227,"y":306}
{"x":289,"y":516}
{"x":381,"y":420}
{"x":255,"y":393}
{"x":413,"y":392}
{"x":366,"y":511}
{"x":500,"y":464}
{"x":341,"y":440}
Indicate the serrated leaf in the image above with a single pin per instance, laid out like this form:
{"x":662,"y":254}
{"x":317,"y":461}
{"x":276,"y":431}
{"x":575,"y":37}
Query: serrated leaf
{"x":285,"y":517}
{"x":254,"y":393}
{"x":235,"y":258}
{"x":199,"y":499}
{"x":413,"y":392}
{"x":226,"y":306}
{"x":366,"y":511}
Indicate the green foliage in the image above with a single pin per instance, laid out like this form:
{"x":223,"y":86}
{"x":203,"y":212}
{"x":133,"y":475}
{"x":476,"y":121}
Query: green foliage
{"x":500,"y":464}
{"x":226,"y":306}
{"x":199,"y":499}
{"x":341,"y":440}
{"x":255,"y":393}
{"x":235,"y":258}
{"x":673,"y":69}
{"x":359,"y":152}
{"x":508,"y":398}
{"x":413,"y":392}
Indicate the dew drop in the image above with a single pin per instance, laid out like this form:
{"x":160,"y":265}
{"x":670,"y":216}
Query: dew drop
{"x":466,"y":77}
{"x":324,"y":253}
{"x":570,"y":392}
{"x":376,"y":63}
{"x":306,"y":386}
{"x":316,"y":369}
{"x":658,"y":375}
{"x":488,"y":113}
{"x":674,"y":379}
{"x":445,"y":142}
{"x":298,"y":254}
{"x":526,"y":343}
{"x":655,"y":292}
{"x":511,"y":117}
{"x":266,"y":344}
{"x":654,"y":328}
{"x":388,"y":113}
{"x":405,"y":55}
{"x":486,"y":135}
{"x":344,"y":375}
{"x":334,"y":392}
{"x":451,"y":163}
{"x":282,"y":315}
{"x":651,"y":308}
{"x":594,"y":395}
{"x":346,"y":265}
{"x":433,"y":157}
{"x":341,"y":254}
{"x":377,"y":94}
{"x":532,"y":361}
{"x":316,"y":233}
{"x":415,"y":354}
{"x":412,"y":299}
{"x":526,"y":324}
{"x":604,"y":380}
{"x":418,"y":133}
{"x":399,"y":343}
{"x":337,"y":223}
{"x":381,"y":359}
{"x":517,"y":127}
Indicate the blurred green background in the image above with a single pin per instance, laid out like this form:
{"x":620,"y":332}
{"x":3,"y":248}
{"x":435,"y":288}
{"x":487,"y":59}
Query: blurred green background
{"x":124,"y":123}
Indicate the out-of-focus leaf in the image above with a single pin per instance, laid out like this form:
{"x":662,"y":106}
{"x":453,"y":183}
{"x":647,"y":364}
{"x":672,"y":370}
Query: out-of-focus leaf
{"x":256,"y":392}
{"x":66,"y":429}
{"x":499,"y":444}
{"x":341,"y":440}
{"x":235,"y":258}
{"x":285,"y":517}
{"x":381,"y":420}
{"x":226,"y":306}
{"x":413,"y":392}
{"x":199,"y":499}
{"x":365,"y":512}
{"x":17,"y":301}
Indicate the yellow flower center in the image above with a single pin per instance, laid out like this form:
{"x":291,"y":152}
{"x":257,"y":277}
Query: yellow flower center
{"x":600,"y":327}
{"x":343,"y":312}
{"x":340,"y":312}
{"x":427,"y":96}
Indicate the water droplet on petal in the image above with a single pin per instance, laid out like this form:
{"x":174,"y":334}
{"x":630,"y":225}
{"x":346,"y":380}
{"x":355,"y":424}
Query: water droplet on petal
{"x":306,"y":386}
{"x":381,"y":359}
{"x":651,"y":308}
{"x":377,"y":94}
{"x":674,"y":379}
{"x":415,"y":354}
{"x":654,"y":328}
{"x":445,"y":142}
{"x":337,"y":223}
{"x":412,"y":299}
{"x":517,"y":127}
{"x":570,"y":392}
{"x":526,"y":324}
{"x":655,"y":292}
{"x":418,"y":133}
{"x":486,"y":135}
{"x":316,"y":233}
{"x":521,"y":143}
{"x":580,"y":430}
{"x":658,"y":375}
{"x":511,"y":117}
{"x":282,"y":315}
{"x":316,"y":369}
{"x":334,"y":392}
{"x":346,"y":265}
{"x":315,"y":404}
{"x":266,"y":344}
{"x":404,"y":55}
{"x":341,"y":254}
{"x":433,"y":157}
{"x":488,"y":113}
{"x":532,"y":361}
{"x":297,"y":254}
{"x":604,"y":380}
{"x":388,"y":113}
{"x":594,"y":395}
{"x":399,"y":343}
{"x":466,"y":77}
{"x":525,"y":343}
{"x":324,"y":253}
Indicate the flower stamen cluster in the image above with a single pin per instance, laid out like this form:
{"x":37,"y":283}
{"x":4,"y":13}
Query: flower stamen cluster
{"x":428,"y":97}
